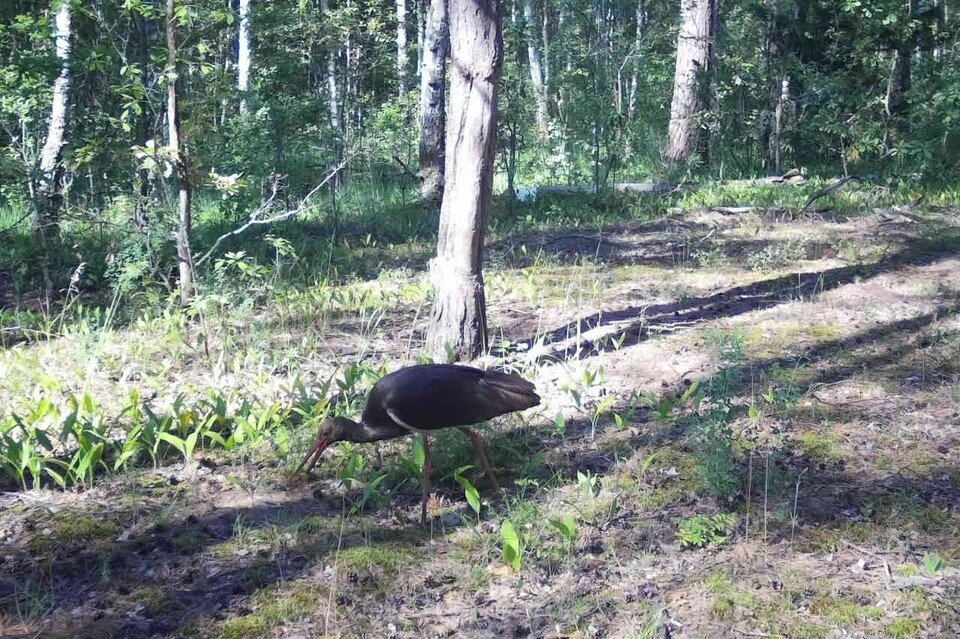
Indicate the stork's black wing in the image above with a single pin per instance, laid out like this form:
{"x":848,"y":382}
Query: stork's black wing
{"x":432,"y":396}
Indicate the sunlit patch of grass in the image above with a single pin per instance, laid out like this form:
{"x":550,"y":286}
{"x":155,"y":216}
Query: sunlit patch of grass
{"x":374,"y":567}
{"x":824,"y":447}
{"x":74,"y":529}
{"x":904,"y":628}
{"x":841,"y":610}
{"x":273,"y":607}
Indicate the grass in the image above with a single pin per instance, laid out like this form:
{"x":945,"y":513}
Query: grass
{"x":305,"y":322}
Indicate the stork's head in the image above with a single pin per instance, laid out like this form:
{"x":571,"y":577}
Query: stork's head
{"x":333,"y":429}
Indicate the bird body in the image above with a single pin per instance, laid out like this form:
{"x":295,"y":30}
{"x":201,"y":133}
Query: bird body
{"x":424,"y":398}
{"x":435,"y":396}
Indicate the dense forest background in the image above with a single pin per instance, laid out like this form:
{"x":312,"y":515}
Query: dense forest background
{"x":836,"y":88}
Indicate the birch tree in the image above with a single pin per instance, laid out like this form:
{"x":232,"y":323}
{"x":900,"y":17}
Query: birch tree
{"x":244,"y":53}
{"x":49,"y":192}
{"x":178,"y":156}
{"x":641,"y":24}
{"x":402,"y":47}
{"x":436,"y":43}
{"x":532,"y":36}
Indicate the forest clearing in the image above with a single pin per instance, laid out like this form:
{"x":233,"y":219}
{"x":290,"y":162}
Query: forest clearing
{"x":831,"y":344}
{"x":685,"y":277}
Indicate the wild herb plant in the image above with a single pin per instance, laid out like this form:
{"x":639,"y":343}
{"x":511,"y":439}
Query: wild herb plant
{"x":701,"y":531}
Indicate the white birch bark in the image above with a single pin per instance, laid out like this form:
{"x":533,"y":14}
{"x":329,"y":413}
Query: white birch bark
{"x":49,"y":193}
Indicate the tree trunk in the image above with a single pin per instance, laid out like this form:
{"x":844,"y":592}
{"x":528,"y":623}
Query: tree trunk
{"x":141,"y":176}
{"x":423,"y":9}
{"x":432,"y":103}
{"x":244,"y":51}
{"x":402,"y":47}
{"x":898,"y":84}
{"x":49,"y":193}
{"x":780,"y":117}
{"x":637,"y":42}
{"x":545,"y":43}
{"x":458,"y":326}
{"x":179,"y":157}
{"x":536,"y":70}
{"x":333,"y":100}
{"x":691,"y":78}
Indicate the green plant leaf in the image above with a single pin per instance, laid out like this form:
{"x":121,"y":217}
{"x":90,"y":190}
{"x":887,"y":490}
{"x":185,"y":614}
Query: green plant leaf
{"x":511,"y":545}
{"x":473,"y":497}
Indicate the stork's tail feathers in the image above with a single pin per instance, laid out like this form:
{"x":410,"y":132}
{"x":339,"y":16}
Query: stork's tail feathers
{"x":510,"y":392}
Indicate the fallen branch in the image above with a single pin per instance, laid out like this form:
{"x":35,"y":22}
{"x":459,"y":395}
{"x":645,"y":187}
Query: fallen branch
{"x":733,"y":210}
{"x":255,"y":216}
{"x":406,"y":169}
{"x":791,"y":178}
{"x":826,"y":191}
{"x":740,"y":631}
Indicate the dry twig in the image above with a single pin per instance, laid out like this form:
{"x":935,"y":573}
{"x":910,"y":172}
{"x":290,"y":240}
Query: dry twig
{"x":255,"y":216}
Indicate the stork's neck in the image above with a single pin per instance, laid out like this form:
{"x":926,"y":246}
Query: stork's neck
{"x":347,"y":430}
{"x":363,"y":432}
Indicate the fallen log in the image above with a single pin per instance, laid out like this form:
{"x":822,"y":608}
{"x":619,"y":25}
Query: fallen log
{"x":525,"y":193}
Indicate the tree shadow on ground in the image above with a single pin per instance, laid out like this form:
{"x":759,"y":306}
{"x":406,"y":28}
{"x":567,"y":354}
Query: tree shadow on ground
{"x":165,"y":557}
{"x":169,"y":558}
{"x":631,"y":325}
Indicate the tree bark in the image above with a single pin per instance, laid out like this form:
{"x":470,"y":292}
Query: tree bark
{"x":178,"y":156}
{"x":691,"y":78}
{"x":141,"y":176}
{"x":436,"y":43}
{"x":49,"y":193}
{"x":244,"y":53}
{"x":536,"y":70}
{"x":898,"y":83}
{"x":423,"y":10}
{"x":402,"y":47}
{"x":641,"y":19}
{"x":333,"y":100}
{"x":458,"y":325}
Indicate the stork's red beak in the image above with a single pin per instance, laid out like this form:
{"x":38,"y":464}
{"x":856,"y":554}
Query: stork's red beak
{"x":313,"y":455}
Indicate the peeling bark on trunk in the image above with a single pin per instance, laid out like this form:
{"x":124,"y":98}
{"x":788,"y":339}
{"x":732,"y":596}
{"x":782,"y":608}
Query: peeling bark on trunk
{"x":459,"y":325}
{"x":691,"y":78}
{"x":432,"y":103}
{"x":536,"y":71}
{"x":402,"y":46}
{"x":49,"y":193}
{"x":179,"y":157}
{"x":244,"y":54}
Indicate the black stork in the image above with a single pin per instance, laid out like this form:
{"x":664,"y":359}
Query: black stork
{"x":424,"y":398}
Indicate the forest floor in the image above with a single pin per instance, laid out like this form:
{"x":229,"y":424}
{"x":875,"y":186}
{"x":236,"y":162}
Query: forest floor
{"x":750,"y":428}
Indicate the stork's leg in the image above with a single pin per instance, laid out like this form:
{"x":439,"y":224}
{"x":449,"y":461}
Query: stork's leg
{"x":482,"y":454}
{"x":427,"y":467}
